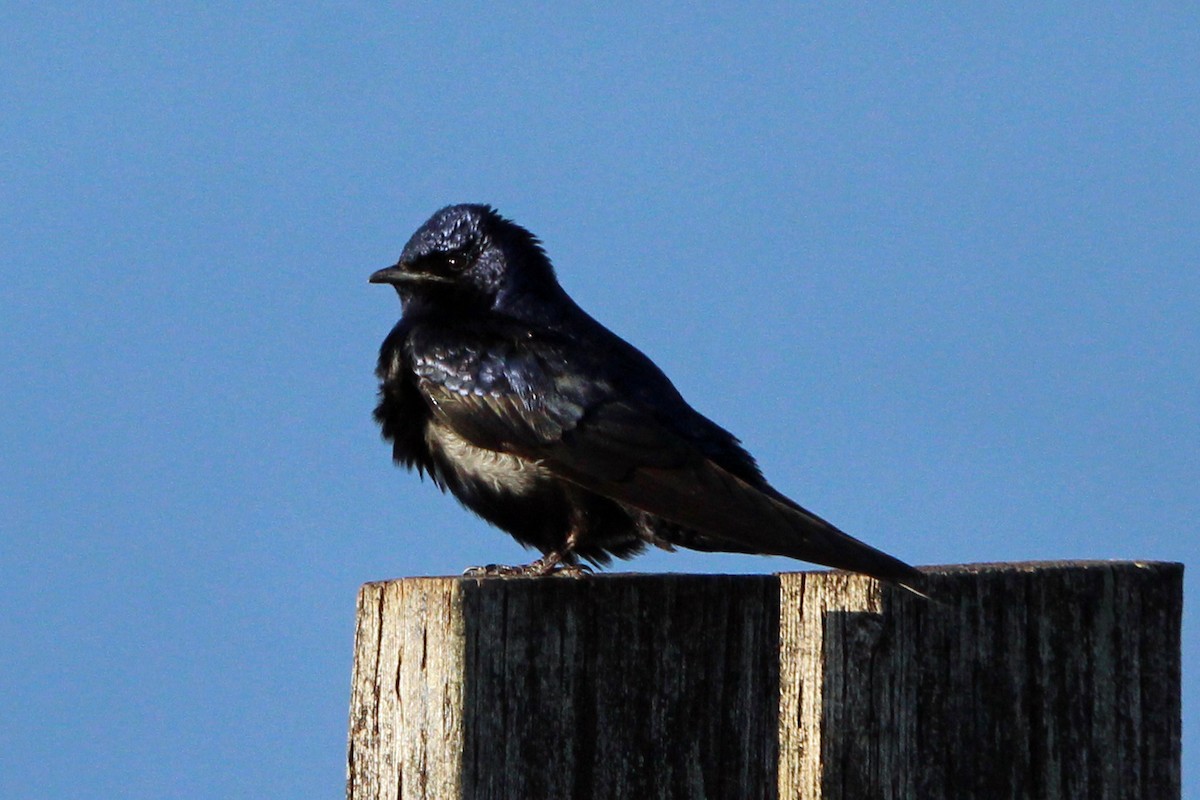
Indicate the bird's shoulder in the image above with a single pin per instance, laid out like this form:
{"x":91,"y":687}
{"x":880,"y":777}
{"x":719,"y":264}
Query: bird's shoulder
{"x":502,"y":384}
{"x":501,"y":354}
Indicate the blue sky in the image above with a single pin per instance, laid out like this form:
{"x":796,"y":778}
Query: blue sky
{"x":936,"y":267}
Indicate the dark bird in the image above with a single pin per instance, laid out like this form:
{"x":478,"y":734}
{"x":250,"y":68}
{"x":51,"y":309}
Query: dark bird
{"x":552,"y":428}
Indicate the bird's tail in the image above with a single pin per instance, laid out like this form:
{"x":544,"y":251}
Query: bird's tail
{"x":732,"y":514}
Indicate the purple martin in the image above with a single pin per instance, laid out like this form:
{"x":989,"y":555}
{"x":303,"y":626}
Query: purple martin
{"x":552,"y":428}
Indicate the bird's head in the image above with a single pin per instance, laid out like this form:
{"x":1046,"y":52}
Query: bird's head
{"x":469,"y":255}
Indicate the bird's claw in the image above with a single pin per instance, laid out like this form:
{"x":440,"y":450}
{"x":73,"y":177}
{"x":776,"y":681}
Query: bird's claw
{"x":569,"y":570}
{"x":493,"y":571}
{"x":536,"y":569}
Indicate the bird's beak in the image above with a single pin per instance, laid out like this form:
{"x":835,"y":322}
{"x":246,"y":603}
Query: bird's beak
{"x":393,"y":274}
{"x":401,"y":273}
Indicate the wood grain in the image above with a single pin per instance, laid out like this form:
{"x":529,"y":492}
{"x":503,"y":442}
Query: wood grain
{"x":406,"y":719}
{"x":1020,"y":681}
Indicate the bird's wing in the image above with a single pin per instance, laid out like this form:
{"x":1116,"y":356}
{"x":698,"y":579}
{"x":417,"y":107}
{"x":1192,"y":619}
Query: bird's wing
{"x":551,"y":403}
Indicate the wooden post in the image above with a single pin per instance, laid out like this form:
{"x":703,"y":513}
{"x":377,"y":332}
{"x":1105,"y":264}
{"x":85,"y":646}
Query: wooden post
{"x":1022,"y":681}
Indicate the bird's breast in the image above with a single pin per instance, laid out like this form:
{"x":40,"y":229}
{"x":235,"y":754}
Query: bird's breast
{"x":500,"y":472}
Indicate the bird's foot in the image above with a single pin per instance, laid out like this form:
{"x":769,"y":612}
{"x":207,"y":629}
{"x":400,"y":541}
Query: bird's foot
{"x":553,"y":564}
{"x":493,"y":571}
{"x":549,"y":564}
{"x":568,"y":570}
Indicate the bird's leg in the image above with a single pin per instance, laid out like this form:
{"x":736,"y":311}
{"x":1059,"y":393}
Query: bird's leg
{"x":556,"y":562}
{"x":553,"y":564}
{"x":562,"y":561}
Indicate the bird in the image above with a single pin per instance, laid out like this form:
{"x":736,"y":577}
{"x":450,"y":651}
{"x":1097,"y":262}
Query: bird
{"x":512,"y":398}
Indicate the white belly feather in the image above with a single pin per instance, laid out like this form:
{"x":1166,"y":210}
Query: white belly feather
{"x":501,"y":471}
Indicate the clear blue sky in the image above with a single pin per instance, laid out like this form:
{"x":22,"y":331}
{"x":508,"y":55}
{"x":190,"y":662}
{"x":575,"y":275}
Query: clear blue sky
{"x":937,"y":268}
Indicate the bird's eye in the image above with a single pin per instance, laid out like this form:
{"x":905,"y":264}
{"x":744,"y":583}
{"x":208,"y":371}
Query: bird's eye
{"x":456,"y":262}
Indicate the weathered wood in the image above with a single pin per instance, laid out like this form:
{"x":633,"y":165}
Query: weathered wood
{"x":406,"y":720}
{"x":1022,"y":681}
